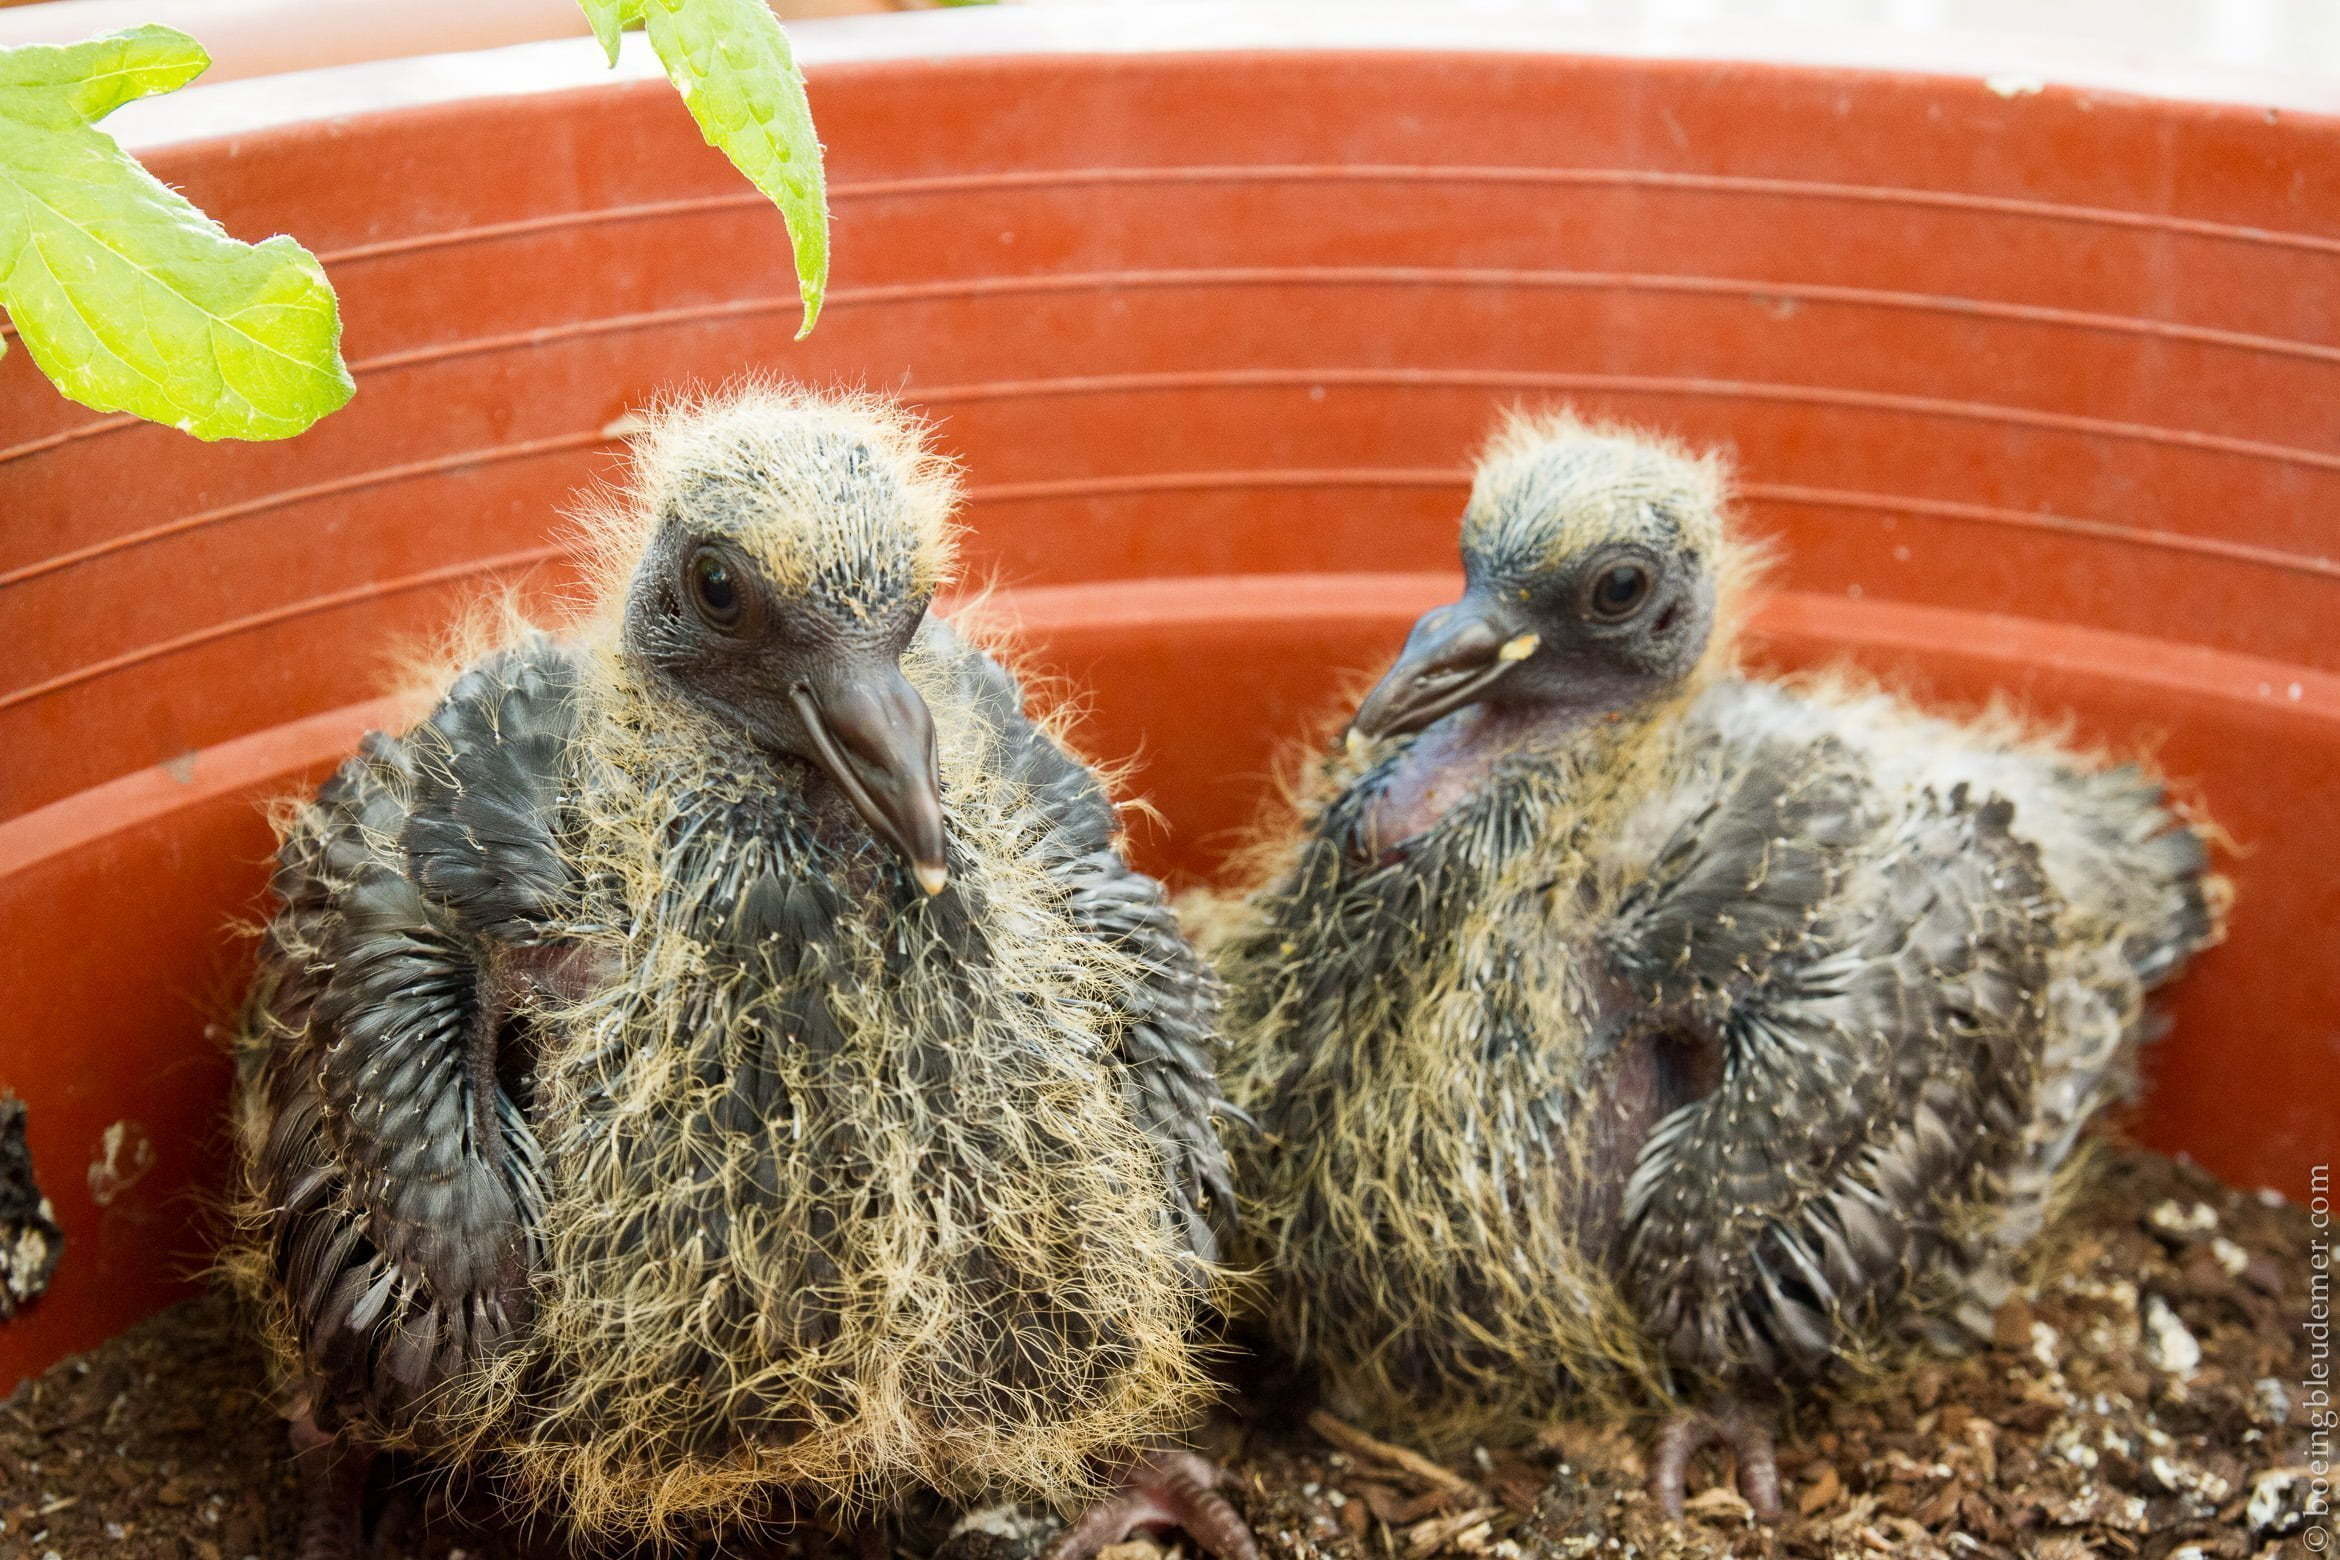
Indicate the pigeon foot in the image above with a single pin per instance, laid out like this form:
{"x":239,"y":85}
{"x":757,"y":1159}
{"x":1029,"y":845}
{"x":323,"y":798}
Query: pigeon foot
{"x":1740,"y":1430}
{"x":333,"y":1493}
{"x":1171,"y":1489}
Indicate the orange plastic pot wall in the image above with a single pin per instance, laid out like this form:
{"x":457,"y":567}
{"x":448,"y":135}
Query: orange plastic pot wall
{"x":2037,"y":393}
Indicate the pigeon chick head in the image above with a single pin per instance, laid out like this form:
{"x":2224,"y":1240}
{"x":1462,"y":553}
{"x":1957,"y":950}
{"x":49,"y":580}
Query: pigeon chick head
{"x":783,"y":549}
{"x":1594,"y":559}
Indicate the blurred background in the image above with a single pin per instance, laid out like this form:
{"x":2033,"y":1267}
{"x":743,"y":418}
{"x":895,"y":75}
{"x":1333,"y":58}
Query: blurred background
{"x":261,"y":37}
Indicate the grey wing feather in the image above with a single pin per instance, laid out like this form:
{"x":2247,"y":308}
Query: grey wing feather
{"x":397,"y":1181}
{"x":1742,"y":880}
{"x":1872,"y":977}
{"x":481,"y":836}
{"x":1170,"y":1012}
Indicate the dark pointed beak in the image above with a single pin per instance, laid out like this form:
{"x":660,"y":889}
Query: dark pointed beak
{"x":872,"y":733}
{"x":1452,"y":657}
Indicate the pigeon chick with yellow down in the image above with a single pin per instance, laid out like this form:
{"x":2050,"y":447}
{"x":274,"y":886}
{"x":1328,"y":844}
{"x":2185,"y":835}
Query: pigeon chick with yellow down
{"x":721,"y":1064}
{"x":1619,"y":1023}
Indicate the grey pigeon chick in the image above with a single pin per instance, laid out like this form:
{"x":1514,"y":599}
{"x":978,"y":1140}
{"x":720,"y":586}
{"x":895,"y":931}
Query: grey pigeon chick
{"x":1618,"y":1023}
{"x":721,"y":1064}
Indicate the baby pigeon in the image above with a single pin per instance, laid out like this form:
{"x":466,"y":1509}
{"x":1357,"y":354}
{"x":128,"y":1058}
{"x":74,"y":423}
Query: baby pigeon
{"x":722,"y":1064}
{"x":1619,"y":1023}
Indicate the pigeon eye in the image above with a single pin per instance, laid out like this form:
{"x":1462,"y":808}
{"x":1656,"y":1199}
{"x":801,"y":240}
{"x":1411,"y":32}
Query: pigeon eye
{"x":1616,"y":592}
{"x":714,"y":587}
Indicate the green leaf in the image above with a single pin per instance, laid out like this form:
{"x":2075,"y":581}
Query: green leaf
{"x":129,"y":298}
{"x":736,"y":73}
{"x":609,"y":18}
{"x":82,"y":82}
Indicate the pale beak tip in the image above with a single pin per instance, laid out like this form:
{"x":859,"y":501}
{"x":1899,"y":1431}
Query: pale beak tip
{"x":933,"y":877}
{"x":1355,"y":743}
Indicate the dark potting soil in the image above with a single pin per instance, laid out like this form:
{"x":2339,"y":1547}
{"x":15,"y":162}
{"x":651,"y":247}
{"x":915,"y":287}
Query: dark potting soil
{"x":2146,"y":1399}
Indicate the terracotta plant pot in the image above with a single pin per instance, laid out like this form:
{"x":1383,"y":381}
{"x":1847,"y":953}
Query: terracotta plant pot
{"x":2037,"y":393}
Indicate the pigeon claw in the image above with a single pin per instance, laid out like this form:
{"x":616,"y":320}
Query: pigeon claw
{"x":333,"y":1493}
{"x":1742,"y":1432}
{"x":1172,"y":1489}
